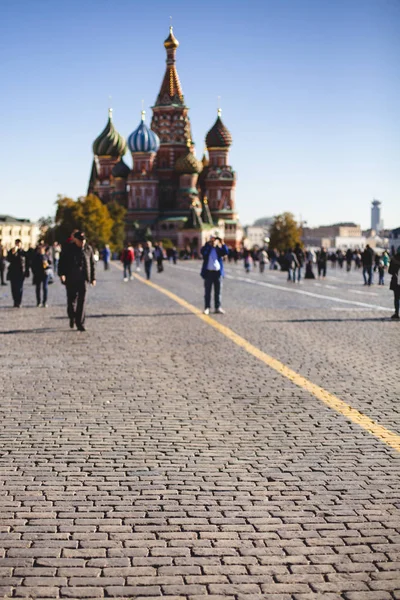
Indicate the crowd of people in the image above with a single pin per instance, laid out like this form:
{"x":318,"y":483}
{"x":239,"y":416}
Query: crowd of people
{"x":75,"y":261}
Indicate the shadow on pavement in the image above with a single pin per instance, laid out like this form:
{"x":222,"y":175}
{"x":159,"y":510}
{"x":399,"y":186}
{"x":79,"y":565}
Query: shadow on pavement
{"x":24,"y":331}
{"x":106,"y":316}
{"x":330,"y":320}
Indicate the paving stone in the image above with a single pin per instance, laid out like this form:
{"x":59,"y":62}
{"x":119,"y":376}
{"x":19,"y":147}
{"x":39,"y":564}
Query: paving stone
{"x":152,"y":457}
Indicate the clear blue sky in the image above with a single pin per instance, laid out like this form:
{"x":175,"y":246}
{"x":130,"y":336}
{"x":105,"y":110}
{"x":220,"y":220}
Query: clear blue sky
{"x":310,"y":91}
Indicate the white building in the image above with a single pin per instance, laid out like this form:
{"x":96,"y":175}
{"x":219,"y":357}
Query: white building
{"x":254,"y":236}
{"x":12,"y":229}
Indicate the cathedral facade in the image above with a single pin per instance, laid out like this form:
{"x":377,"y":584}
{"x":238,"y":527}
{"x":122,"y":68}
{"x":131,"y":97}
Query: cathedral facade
{"x":168,"y":191}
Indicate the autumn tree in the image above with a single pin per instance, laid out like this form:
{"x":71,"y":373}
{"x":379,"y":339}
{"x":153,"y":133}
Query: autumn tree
{"x":66,"y":219}
{"x":94,"y":219}
{"x":284,"y":232}
{"x":88,"y":214}
{"x":117,"y":213}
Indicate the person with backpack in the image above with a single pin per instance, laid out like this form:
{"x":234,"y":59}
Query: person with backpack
{"x":127,"y":258}
{"x":394,"y":271}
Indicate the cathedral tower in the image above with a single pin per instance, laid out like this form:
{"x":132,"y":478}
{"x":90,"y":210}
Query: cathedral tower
{"x":220,"y":179}
{"x":108,"y":148}
{"x":171,"y":123}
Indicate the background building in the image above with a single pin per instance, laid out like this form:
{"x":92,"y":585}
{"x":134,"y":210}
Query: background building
{"x":168,"y":190}
{"x":12,"y":228}
{"x":376,"y":221}
{"x":339,"y":235}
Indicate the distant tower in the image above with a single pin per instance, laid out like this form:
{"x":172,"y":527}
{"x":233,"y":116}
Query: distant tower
{"x":376,"y":222}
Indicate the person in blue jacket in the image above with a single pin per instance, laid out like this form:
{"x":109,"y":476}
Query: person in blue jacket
{"x":213,"y":271}
{"x":106,"y":256}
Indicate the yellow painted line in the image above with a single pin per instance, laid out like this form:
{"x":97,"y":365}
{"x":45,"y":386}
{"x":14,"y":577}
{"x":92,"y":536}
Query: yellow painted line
{"x":385,"y":435}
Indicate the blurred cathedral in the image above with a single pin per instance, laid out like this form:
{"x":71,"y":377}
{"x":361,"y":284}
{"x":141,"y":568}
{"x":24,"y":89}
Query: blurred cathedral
{"x":168,"y":191}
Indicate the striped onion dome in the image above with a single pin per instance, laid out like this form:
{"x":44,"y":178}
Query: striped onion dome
{"x":218,"y":136}
{"x":109,"y":142}
{"x":143,"y":139}
{"x":120,"y":169}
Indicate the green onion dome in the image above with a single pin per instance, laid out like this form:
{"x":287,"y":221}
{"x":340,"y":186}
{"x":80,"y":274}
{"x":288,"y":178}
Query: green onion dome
{"x":188,"y":164}
{"x":120,"y":169}
{"x":109,"y":142}
{"x":218,"y":136}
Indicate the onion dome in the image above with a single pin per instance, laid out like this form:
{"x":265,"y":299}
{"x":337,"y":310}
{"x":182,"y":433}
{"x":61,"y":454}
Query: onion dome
{"x":218,"y":136}
{"x":187,"y":163}
{"x":171,"y":41}
{"x":120,"y":169}
{"x":143,"y":139}
{"x":109,"y":142}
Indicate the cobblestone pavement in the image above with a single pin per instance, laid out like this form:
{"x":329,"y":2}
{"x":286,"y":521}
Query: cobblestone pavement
{"x":153,"y":457}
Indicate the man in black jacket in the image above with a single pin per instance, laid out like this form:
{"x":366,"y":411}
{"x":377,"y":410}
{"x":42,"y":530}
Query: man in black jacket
{"x":76,"y":270}
{"x":17,"y":271}
{"x":367,"y":258}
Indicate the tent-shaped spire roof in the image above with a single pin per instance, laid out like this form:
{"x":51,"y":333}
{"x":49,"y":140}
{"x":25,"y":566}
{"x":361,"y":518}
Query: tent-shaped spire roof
{"x":171,"y":90}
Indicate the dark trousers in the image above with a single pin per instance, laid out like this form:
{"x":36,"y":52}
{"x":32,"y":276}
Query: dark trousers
{"x":397,"y":301}
{"x":44,"y":284}
{"x":2,"y":267}
{"x":106,"y":265}
{"x":160,"y":267}
{"x":321,"y":269}
{"x":17,"y":284}
{"x":127,"y":270}
{"x":212,"y":278}
{"x":76,"y":297}
{"x":147,"y":268}
{"x":367,"y":270}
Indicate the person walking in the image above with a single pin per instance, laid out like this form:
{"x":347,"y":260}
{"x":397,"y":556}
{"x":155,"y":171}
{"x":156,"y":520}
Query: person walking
{"x":394,"y":271}
{"x":56,"y":250}
{"x":106,"y":256}
{"x":40,"y":267}
{"x":292,"y":264}
{"x":213,"y":271}
{"x":246,"y":259}
{"x":349,"y":259}
{"x":300,"y":259}
{"x":138,"y":256}
{"x":159,"y":256}
{"x":127,"y":258}
{"x":76,"y":269}
{"x":2,"y":263}
{"x":322,"y":258}
{"x":367,"y":259}
{"x":263,"y":259}
{"x":309,"y":256}
{"x":381,"y":271}
{"x":18,"y":269}
{"x":148,"y":254}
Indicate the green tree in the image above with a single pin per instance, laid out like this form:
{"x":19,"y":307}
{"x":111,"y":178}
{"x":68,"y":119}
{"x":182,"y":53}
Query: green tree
{"x":46,"y":228}
{"x":95,"y":220}
{"x":117,"y":213}
{"x":284,"y":232}
{"x":66,"y":219}
{"x":88,"y":214}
